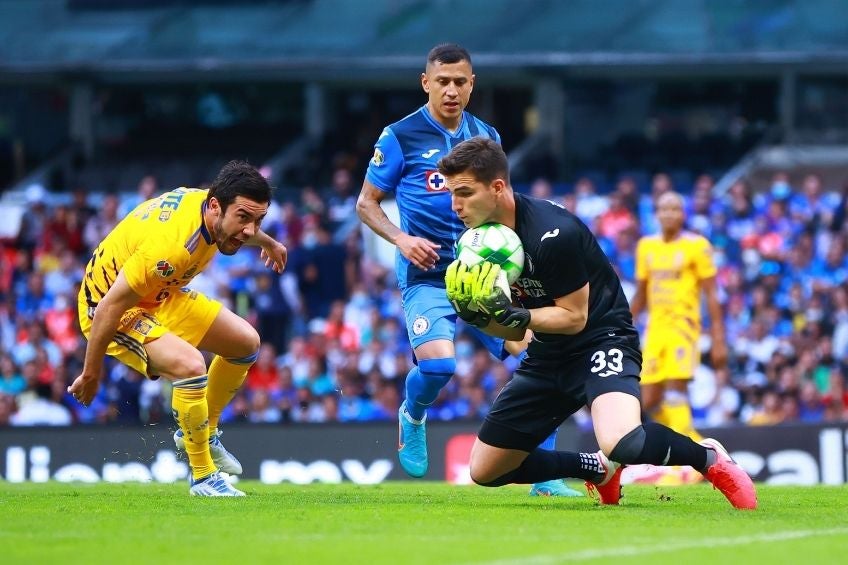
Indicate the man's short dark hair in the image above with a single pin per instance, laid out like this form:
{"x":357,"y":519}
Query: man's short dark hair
{"x":448,"y":53}
{"x":482,"y":157}
{"x":239,"y":178}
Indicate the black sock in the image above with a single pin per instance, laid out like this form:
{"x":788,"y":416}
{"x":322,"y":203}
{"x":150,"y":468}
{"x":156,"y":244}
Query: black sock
{"x":664,"y":446}
{"x":542,"y":465}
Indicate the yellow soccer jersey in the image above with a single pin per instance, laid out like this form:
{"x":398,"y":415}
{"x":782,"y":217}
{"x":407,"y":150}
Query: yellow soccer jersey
{"x":161,"y":246}
{"x":673,"y":271}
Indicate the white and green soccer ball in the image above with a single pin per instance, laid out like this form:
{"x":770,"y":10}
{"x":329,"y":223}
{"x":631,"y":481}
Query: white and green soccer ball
{"x":495,"y":243}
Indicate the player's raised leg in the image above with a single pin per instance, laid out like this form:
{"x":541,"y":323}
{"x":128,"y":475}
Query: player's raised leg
{"x":436,"y":365}
{"x":236,"y":345}
{"x":431,"y":327}
{"x":175,"y":359}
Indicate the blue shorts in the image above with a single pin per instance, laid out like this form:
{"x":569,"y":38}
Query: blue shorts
{"x":430,"y":316}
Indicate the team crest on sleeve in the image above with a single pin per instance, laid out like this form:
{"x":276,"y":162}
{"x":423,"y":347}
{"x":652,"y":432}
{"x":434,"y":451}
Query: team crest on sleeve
{"x":420,"y":325}
{"x":164,"y":269}
{"x":378,"y":158}
{"x":435,"y":181}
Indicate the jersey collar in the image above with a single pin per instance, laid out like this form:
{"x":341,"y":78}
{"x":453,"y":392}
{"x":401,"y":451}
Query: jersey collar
{"x":519,"y":204}
{"x":429,"y":117}
{"x":207,"y":237}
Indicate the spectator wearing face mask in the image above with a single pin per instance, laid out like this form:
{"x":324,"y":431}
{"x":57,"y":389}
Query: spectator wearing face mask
{"x":319,"y":267}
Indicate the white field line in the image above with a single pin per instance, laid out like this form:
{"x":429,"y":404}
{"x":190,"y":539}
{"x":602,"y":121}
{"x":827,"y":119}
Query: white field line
{"x":664,"y":547}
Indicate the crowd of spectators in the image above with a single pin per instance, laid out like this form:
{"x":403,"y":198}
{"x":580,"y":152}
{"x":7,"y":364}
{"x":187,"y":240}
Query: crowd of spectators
{"x":334,"y":341}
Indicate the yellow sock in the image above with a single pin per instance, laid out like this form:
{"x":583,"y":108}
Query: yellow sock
{"x":225,"y":378}
{"x":192,"y":415}
{"x":678,"y":415}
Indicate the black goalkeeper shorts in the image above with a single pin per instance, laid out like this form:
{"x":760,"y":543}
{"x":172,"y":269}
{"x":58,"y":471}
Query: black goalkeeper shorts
{"x":542,"y":394}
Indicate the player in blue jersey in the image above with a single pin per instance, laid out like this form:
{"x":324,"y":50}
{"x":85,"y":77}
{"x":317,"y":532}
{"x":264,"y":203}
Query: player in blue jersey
{"x":404,"y":163}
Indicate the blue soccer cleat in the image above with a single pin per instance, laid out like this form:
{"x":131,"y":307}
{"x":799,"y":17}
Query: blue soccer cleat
{"x":223,"y":459}
{"x":555,"y":487}
{"x":213,"y":485}
{"x":412,"y":444}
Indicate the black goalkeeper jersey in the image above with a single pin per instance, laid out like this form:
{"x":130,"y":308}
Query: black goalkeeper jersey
{"x":560,"y":256}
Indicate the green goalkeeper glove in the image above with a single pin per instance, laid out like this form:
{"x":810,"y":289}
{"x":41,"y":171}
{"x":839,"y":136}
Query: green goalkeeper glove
{"x":488,"y":294}
{"x":458,"y":285}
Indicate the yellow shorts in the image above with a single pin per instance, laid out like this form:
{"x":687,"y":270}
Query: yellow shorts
{"x":669,"y":356}
{"x":187,"y":314}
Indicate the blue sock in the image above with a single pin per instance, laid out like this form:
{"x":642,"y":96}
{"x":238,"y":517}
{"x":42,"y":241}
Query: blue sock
{"x":550,"y":443}
{"x":424,"y":382}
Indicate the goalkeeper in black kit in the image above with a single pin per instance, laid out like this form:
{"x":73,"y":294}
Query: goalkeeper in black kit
{"x":584,"y":351}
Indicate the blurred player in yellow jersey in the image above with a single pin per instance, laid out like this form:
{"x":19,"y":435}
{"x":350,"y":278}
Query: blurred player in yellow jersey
{"x":135,"y":305}
{"x":673,"y":268}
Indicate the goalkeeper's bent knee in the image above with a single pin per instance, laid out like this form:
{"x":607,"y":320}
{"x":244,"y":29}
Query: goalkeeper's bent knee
{"x":505,"y":479}
{"x":630,"y":447}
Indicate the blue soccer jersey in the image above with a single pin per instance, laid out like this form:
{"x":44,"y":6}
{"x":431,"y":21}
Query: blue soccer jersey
{"x":404,"y":161}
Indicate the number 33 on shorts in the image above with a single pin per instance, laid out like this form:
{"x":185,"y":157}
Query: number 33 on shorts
{"x":607,"y":363}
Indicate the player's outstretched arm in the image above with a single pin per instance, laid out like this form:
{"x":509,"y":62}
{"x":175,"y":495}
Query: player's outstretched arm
{"x":273,"y":252}
{"x":118,"y":299}
{"x":421,"y":252}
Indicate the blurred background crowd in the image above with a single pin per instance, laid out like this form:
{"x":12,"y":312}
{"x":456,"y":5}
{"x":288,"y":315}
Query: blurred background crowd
{"x":334,"y":342}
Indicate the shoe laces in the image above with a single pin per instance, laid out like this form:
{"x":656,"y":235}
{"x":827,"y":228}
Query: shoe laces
{"x":220,"y":484}
{"x":413,"y":435}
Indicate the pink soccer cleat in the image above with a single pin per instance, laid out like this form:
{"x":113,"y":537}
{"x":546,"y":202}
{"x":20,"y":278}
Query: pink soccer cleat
{"x":731,"y":479}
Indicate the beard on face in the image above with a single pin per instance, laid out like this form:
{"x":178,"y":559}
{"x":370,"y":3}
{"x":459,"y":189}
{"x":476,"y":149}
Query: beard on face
{"x":222,"y":240}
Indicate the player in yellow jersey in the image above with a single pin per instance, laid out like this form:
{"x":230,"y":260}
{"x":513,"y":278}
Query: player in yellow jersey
{"x":673,"y":269}
{"x":135,"y":305}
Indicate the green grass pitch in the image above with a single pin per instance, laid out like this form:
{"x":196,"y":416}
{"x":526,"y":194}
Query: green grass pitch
{"x":412,"y":523}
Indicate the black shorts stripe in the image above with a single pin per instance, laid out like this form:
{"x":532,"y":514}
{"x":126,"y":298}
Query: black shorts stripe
{"x":131,"y":344}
